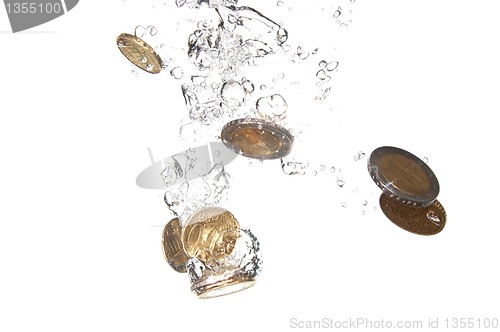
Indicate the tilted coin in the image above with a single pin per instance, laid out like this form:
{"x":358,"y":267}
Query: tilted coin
{"x":423,"y":220}
{"x":139,"y":53}
{"x":256,"y":138}
{"x":173,"y":250}
{"x":210,"y":233}
{"x":403,"y":176}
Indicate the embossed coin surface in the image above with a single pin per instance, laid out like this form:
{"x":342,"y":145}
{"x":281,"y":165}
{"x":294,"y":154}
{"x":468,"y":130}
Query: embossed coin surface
{"x":173,"y":249}
{"x":210,"y":233}
{"x":256,"y":138}
{"x":139,"y":53}
{"x":423,"y":220}
{"x":403,"y":176}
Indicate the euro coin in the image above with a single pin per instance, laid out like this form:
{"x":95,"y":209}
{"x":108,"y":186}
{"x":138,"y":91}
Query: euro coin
{"x":422,"y":220}
{"x":403,"y":176}
{"x":173,"y":250}
{"x":257,"y":139}
{"x":210,"y":234}
{"x":139,"y":53}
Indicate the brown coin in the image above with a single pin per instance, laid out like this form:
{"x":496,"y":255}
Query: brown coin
{"x":256,"y":138}
{"x":173,"y":250}
{"x":210,"y":233}
{"x":423,"y":220}
{"x":139,"y":53}
{"x":403,"y":176}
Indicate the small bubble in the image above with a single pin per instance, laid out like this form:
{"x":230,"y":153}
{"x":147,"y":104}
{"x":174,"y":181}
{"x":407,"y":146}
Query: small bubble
{"x":263,"y":87}
{"x":280,"y":3}
{"x":365,"y":203}
{"x":344,"y":204}
{"x":426,"y":160}
{"x":152,"y":30}
{"x":321,"y":74}
{"x":281,"y":76}
{"x":340,"y":182}
{"x":177,"y":73}
{"x":149,"y":67}
{"x":139,"y":31}
{"x":363,"y":212}
{"x":434,"y":218}
{"x":143,"y":59}
{"x":332,"y":169}
{"x":337,"y":13}
{"x":359,"y":156}
{"x":332,"y":65}
{"x":314,"y":173}
{"x":323,"y":64}
{"x":322,"y":167}
{"x":250,"y":163}
{"x":162,"y":45}
{"x":217,"y":153}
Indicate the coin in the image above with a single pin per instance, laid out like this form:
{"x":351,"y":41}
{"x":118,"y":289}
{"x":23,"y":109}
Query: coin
{"x":256,"y":138}
{"x":173,"y":250}
{"x":139,"y":53}
{"x":210,"y":233}
{"x":422,"y":220}
{"x":403,"y":176}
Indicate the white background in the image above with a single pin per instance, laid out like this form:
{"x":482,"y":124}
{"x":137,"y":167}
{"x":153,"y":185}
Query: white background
{"x":80,"y":242}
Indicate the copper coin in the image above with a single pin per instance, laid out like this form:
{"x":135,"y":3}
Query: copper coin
{"x":422,"y":220}
{"x":403,"y":176}
{"x":139,"y":53}
{"x":210,"y":233}
{"x":256,"y":138}
{"x":173,"y":250}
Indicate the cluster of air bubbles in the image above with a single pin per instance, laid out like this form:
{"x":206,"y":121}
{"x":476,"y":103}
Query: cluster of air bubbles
{"x":141,"y":31}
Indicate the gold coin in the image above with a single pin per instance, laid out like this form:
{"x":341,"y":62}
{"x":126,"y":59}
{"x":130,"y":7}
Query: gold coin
{"x":139,"y":53}
{"x":173,"y":250}
{"x":403,"y":176}
{"x":210,"y":233}
{"x":256,"y":138}
{"x":423,"y":220}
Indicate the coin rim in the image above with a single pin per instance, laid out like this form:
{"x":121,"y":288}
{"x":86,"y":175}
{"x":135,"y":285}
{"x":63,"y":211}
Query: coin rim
{"x":404,"y":197}
{"x":230,"y":127}
{"x":178,"y":268}
{"x":145,"y":46}
{"x":437,"y":204}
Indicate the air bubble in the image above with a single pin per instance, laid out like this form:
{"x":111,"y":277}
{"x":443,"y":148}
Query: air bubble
{"x":434,"y":218}
{"x":359,"y":156}
{"x":177,"y":73}
{"x":344,"y":204}
{"x":139,"y":31}
{"x":322,"y":167}
{"x":340,"y":182}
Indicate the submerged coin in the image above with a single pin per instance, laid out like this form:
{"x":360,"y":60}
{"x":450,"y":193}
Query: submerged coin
{"x":139,"y":53}
{"x":422,"y":220}
{"x":256,"y":138}
{"x":173,"y":250}
{"x":403,"y":176}
{"x":210,"y":233}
